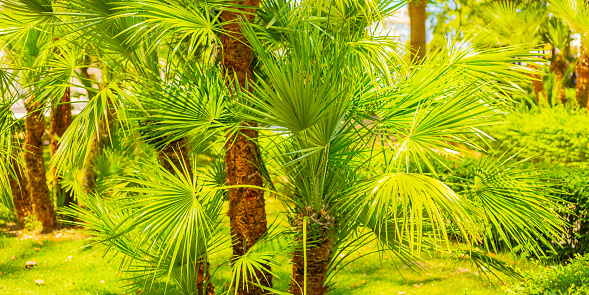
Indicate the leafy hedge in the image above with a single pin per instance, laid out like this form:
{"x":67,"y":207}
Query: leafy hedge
{"x":552,"y":134}
{"x":572,"y":278}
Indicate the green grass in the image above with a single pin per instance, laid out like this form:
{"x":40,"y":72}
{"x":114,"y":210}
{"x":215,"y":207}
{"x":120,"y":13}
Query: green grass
{"x":68,"y":268}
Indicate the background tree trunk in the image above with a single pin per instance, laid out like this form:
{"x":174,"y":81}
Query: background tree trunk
{"x":20,"y":194}
{"x":538,"y":85}
{"x":582,"y":86}
{"x":90,"y":175}
{"x":61,"y":118}
{"x":418,"y":16}
{"x":36,"y":178}
{"x":558,"y":67}
{"x":247,"y":213}
{"x":106,"y":128}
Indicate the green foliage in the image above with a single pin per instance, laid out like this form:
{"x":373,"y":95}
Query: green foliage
{"x":32,"y":224}
{"x":551,"y":135}
{"x":574,"y":189}
{"x":6,"y":215}
{"x":569,"y":185}
{"x":572,"y":279}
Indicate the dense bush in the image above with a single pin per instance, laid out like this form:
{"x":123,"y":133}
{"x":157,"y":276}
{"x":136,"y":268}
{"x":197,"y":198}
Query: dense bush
{"x":572,"y":278}
{"x":551,"y":134}
{"x":571,"y":185}
{"x":6,"y":215}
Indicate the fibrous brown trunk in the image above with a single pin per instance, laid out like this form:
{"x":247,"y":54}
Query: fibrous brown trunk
{"x":36,"y":179}
{"x":61,"y":118}
{"x":319,"y":250}
{"x":246,"y":212}
{"x":538,"y":86}
{"x":246,"y":205}
{"x":558,"y":67}
{"x":20,"y":194}
{"x":417,"y":17}
{"x":175,"y":153}
{"x":582,"y":87}
{"x":203,"y":279}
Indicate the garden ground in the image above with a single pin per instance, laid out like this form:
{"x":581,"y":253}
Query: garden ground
{"x":66,"y":263}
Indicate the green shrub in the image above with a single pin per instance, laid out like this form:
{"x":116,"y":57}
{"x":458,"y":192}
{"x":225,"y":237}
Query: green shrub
{"x":572,"y":278}
{"x":571,"y":186}
{"x":6,"y":215}
{"x":553,"y":135}
{"x":32,"y":224}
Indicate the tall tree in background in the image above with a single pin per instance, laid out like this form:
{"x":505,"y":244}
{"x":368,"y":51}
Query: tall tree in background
{"x":558,"y":35}
{"x":576,"y":14}
{"x":509,"y":25}
{"x":247,"y":210}
{"x":61,"y":66}
{"x":418,"y":17}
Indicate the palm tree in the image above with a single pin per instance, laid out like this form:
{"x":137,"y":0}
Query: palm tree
{"x":576,"y":14}
{"x":510,"y":25}
{"x":247,"y":208}
{"x":321,"y":109}
{"x":12,"y":166}
{"x":174,"y":209}
{"x":26,"y":48}
{"x":559,"y":34}
{"x":194,"y":21}
{"x":418,"y":18}
{"x":332,"y":100}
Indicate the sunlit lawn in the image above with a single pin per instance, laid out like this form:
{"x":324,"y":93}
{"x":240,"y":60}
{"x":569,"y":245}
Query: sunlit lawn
{"x":67,"y":267}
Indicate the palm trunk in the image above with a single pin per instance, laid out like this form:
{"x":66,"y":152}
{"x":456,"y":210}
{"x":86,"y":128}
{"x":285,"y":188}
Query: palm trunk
{"x":418,"y":16}
{"x":203,"y":280}
{"x":246,"y":212}
{"x":582,"y":87}
{"x":538,"y":86}
{"x":175,"y":154}
{"x":20,"y":194}
{"x":558,"y":67}
{"x":36,"y":179}
{"x":319,"y":251}
{"x":61,"y":118}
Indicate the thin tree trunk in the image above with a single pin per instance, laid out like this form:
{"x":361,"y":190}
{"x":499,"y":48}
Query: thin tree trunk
{"x":20,"y":194}
{"x":417,"y":17}
{"x":106,"y":128}
{"x":36,"y":178}
{"x":582,"y":87}
{"x":246,"y":212}
{"x":90,"y":175}
{"x":319,"y":250}
{"x":538,"y":86}
{"x":558,"y":67}
{"x":201,"y":280}
{"x":61,"y":118}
